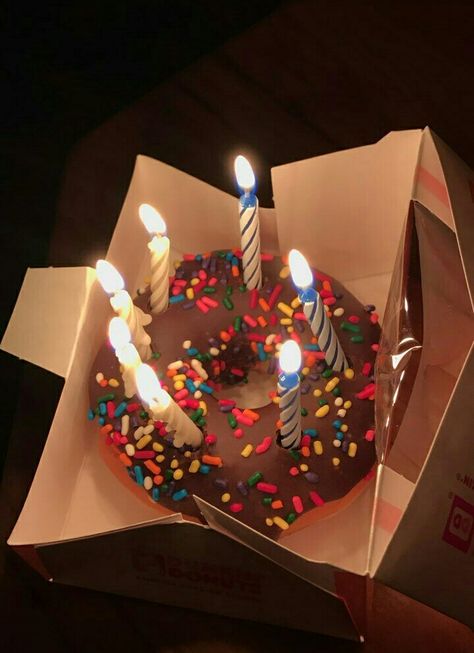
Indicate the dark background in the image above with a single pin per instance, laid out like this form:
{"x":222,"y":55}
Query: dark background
{"x":88,"y":87}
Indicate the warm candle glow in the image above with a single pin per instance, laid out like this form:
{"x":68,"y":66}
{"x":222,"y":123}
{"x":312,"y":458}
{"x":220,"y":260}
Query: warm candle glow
{"x":290,"y":357}
{"x":244,"y":173}
{"x":119,"y":333}
{"x":109,"y":278}
{"x":152,"y":220}
{"x":149,"y":387}
{"x":300,"y":270}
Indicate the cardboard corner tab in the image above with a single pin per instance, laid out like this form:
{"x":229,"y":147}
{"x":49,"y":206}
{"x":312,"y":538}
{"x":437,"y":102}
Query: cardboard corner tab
{"x":48,"y":316}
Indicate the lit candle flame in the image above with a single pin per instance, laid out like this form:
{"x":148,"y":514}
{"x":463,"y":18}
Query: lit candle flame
{"x":244,"y":173}
{"x":290,"y":357}
{"x":149,"y":387}
{"x":109,"y":278}
{"x":152,"y":220}
{"x":300,"y":270}
{"x":119,"y":333}
{"x":122,"y":304}
{"x":129,"y":355}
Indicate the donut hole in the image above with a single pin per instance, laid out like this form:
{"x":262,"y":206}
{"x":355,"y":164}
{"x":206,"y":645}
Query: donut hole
{"x":241,"y":375}
{"x":234,"y":362}
{"x":253,"y":394}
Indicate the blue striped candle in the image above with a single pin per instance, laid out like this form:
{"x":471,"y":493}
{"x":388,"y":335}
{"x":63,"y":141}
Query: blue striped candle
{"x":249,"y":225}
{"x":313,"y":308}
{"x":289,"y":394}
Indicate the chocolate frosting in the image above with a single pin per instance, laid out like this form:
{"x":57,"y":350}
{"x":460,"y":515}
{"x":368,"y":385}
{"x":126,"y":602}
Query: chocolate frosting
{"x":180,"y":323}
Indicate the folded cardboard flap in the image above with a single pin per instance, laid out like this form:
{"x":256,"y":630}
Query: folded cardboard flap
{"x":436,"y":245}
{"x":48,"y":316}
{"x":338,"y":539}
{"x":430,"y":187}
{"x":430,"y":555}
{"x":201,"y":569}
{"x":434,"y":291}
{"x":199,"y":218}
{"x":319,"y":574}
{"x":459,"y":180}
{"x":392,"y":495}
{"x":421,"y":526}
{"x":345,"y":210}
{"x":82,"y":494}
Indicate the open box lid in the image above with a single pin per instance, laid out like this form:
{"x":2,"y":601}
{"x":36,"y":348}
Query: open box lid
{"x":343,"y":189}
{"x":423,"y":529}
{"x":52,"y":301}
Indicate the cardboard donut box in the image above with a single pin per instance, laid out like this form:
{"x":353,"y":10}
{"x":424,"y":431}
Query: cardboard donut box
{"x":376,"y":217}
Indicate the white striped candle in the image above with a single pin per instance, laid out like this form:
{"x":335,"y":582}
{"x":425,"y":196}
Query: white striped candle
{"x":159,"y":248}
{"x":249,"y":225}
{"x":313,"y":308}
{"x":127,"y":354}
{"x":162,"y":407}
{"x":112,"y":282}
{"x":290,"y":396}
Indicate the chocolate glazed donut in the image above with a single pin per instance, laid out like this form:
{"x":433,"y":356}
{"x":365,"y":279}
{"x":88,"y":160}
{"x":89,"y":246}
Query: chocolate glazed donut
{"x":231,"y":335}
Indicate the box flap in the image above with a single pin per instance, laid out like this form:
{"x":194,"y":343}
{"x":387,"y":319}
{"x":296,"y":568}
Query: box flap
{"x":319,"y":574}
{"x":444,"y":184}
{"x":341,"y":534}
{"x":48,"y":316}
{"x":332,"y":200}
{"x":199,"y":218}
{"x":430,"y":557}
{"x":198,"y":569}
{"x":460,"y":185}
{"x":83,"y":495}
{"x":392,"y":494}
{"x":431,"y":446}
{"x":430,"y":188}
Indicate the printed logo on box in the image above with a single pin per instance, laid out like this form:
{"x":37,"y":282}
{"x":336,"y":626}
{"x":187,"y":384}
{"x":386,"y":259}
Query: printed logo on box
{"x":215,"y":578}
{"x":460,"y":526}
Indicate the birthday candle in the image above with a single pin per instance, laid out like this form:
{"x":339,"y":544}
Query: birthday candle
{"x":112,"y":282}
{"x":127,"y":354}
{"x":163,"y":408}
{"x":159,"y":247}
{"x":290,"y":396}
{"x":249,"y":224}
{"x":313,"y":308}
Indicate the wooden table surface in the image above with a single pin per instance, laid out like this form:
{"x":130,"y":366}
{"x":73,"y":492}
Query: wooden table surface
{"x":309,"y":78}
